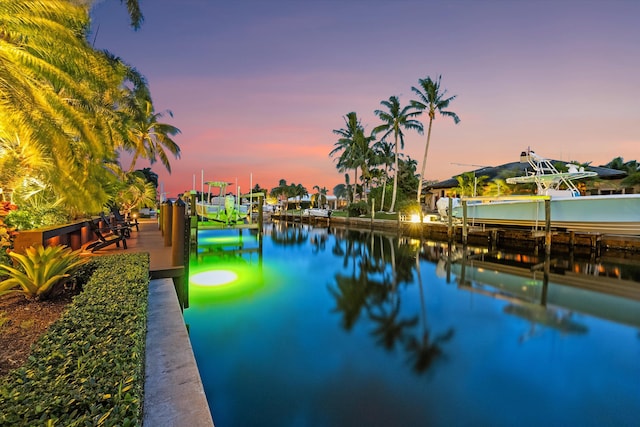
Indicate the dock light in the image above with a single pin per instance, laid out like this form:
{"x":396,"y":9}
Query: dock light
{"x":415,"y":218}
{"x":214,"y":278}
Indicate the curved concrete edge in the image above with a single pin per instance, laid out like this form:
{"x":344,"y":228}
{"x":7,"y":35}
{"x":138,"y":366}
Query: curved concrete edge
{"x":173,"y":391}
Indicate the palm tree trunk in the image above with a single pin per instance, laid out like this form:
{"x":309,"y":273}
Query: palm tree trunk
{"x":384,"y":189}
{"x":424,"y":160}
{"x":395,"y":179}
{"x":133,"y":162}
{"x":355,"y":182}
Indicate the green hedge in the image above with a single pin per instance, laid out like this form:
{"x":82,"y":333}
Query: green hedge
{"x":88,"y":369}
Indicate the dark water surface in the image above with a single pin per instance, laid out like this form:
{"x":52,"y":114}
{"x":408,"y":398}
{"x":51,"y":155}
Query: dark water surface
{"x":319,"y":327}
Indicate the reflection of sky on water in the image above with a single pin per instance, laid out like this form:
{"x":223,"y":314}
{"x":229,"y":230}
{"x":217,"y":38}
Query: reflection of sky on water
{"x":277,"y":353}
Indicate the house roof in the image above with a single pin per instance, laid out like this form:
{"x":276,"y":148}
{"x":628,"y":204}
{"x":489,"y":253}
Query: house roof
{"x":496,"y":171}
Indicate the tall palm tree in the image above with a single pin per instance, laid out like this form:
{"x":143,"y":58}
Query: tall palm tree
{"x":432,"y":100}
{"x":148,"y":138}
{"x":384,"y":151}
{"x":351,"y":145}
{"x":395,"y":119}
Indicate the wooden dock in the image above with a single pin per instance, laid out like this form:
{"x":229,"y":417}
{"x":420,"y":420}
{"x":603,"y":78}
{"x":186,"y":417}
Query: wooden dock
{"x":149,"y":239}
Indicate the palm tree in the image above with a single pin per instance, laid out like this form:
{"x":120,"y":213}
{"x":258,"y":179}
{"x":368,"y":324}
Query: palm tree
{"x":395,"y":120}
{"x":433,"y":100}
{"x":298,"y":191}
{"x":470,"y":185}
{"x":57,"y":96}
{"x":135,"y":13}
{"x":386,"y":157}
{"x":343,"y":191}
{"x":148,"y":138}
{"x":135,"y":191}
{"x":354,"y":146}
{"x":283,"y":191}
{"x":321,"y":195}
{"x":150,"y":176}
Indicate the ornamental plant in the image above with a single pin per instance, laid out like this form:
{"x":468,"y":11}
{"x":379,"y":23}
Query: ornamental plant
{"x":40,"y":269}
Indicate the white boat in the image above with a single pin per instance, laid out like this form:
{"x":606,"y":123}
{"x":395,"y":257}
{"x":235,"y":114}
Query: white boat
{"x":611,"y":214}
{"x":317,"y":212}
{"x":221,"y":208}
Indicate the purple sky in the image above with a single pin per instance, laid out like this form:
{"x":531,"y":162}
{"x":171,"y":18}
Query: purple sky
{"x":257,"y":87}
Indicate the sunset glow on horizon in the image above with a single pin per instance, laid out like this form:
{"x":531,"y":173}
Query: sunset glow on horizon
{"x":258,"y":87}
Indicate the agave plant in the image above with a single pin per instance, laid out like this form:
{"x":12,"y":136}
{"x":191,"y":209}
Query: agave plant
{"x":41,"y":269}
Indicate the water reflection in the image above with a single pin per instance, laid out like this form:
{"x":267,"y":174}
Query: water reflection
{"x":348,"y":328}
{"x":549,"y":290}
{"x":378,"y":265}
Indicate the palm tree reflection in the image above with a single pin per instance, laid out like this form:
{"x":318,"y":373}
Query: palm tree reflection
{"x":379,"y":269}
{"x":285,"y":234}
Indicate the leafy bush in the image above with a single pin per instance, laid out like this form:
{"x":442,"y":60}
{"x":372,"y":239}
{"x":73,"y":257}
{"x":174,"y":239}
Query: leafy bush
{"x":36,"y":217}
{"x":89,"y":367}
{"x":40,"y":270}
{"x":359,"y":208}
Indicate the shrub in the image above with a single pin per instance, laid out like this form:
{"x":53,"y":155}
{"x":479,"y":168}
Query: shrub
{"x":359,"y":208}
{"x":40,"y":270}
{"x":28,"y":218}
{"x":88,"y":369}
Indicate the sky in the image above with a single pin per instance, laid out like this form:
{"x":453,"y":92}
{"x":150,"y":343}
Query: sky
{"x":257,"y":87}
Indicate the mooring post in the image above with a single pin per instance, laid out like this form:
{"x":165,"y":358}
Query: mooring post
{"x":547,"y":224}
{"x":193,"y":219}
{"x":260,"y":214}
{"x":167,"y":223}
{"x":450,"y":220}
{"x":162,"y":214}
{"x":465,"y":231}
{"x":177,"y":231}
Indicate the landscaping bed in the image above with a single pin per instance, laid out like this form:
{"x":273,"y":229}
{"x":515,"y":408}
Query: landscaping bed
{"x":88,"y":368}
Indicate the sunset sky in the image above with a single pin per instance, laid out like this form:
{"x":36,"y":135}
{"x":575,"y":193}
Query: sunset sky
{"x":257,"y":87}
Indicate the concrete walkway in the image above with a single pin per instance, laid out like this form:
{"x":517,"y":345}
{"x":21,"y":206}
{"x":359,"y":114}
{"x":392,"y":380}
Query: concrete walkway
{"x":173,"y":391}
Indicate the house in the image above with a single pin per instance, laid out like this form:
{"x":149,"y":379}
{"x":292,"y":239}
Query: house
{"x":608,"y":180}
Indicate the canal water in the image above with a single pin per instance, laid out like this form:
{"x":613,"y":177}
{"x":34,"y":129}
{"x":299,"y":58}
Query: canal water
{"x":331,"y":327}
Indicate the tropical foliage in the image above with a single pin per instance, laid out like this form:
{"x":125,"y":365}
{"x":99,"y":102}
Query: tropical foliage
{"x":432,"y":99}
{"x":632,"y":168}
{"x":395,"y":119}
{"x":470,"y":185}
{"x":40,"y":270}
{"x":377,"y":158}
{"x":66,"y":110}
{"x":355,"y":149}
{"x":283,"y":192}
{"x":88,"y":369}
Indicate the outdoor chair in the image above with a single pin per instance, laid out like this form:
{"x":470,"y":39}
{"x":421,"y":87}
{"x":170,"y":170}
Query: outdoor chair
{"x":122,"y":221}
{"x":105,"y":236}
{"x":115,"y":227}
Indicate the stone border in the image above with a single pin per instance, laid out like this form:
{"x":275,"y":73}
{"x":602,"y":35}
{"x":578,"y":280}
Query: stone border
{"x":173,"y":391}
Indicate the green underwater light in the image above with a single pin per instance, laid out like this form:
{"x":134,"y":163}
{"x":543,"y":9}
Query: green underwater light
{"x":217,"y":278}
{"x":213,"y":278}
